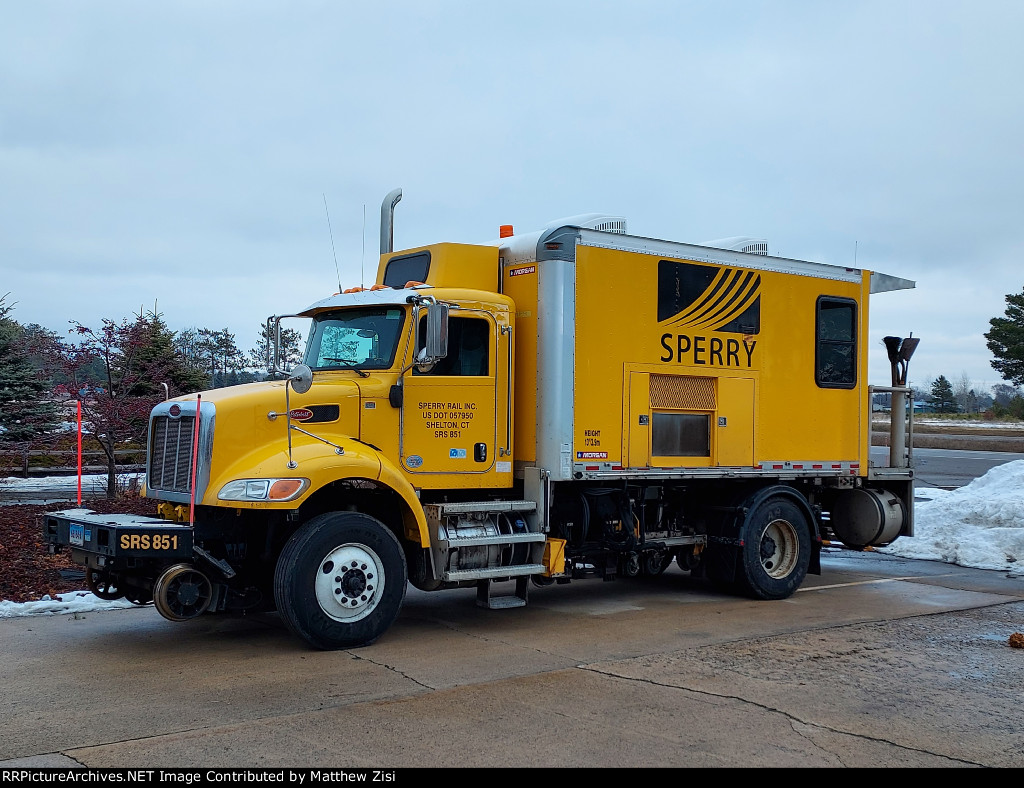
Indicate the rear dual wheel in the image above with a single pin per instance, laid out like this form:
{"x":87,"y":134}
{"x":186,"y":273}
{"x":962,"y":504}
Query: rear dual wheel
{"x":776,"y":549}
{"x":340,"y":580}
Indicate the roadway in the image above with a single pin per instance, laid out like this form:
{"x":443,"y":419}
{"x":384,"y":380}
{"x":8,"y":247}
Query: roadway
{"x":879,"y":661}
{"x":949,"y":468}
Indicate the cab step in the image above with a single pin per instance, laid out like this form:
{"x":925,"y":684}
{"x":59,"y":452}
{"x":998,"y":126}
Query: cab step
{"x":486,"y":597}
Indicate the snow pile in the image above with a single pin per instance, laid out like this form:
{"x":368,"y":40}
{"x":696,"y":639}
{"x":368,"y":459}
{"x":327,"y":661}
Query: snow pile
{"x":45,"y":489}
{"x":967,"y":426}
{"x":75,"y":602}
{"x":91,"y":482}
{"x":980,"y":525}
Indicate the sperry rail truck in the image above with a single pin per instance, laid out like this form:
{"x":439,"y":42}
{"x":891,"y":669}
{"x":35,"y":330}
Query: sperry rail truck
{"x":566,"y":404}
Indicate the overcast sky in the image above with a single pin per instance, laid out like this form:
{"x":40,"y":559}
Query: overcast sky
{"x":179,"y":154}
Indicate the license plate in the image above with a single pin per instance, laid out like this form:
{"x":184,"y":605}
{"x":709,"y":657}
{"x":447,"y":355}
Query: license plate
{"x":76,"y":534}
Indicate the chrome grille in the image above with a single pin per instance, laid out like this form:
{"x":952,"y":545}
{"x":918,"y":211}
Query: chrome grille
{"x":170,"y":453}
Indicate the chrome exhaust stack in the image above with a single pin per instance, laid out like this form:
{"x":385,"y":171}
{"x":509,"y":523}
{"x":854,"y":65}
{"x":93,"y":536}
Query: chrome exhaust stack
{"x":899,"y":351}
{"x":387,"y":221}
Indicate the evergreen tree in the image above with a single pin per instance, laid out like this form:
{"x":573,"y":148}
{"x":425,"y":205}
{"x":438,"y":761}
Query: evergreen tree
{"x":27,"y":410}
{"x":158,"y":352}
{"x":1006,"y":340}
{"x":289,"y":350}
{"x":188,"y":344}
{"x":222,"y":356}
{"x":942,"y":396}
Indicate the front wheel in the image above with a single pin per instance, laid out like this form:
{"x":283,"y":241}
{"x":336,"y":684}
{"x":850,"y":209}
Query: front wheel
{"x":776,"y":549}
{"x":340,"y":580}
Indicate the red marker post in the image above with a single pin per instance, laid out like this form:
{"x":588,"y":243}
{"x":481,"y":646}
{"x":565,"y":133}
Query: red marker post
{"x":79,"y":403}
{"x":195,"y":464}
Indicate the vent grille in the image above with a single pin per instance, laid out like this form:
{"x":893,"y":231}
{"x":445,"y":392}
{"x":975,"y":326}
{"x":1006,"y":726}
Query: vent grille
{"x":757,"y":247}
{"x":740,"y":243}
{"x":682,"y":392}
{"x":170,"y":454}
{"x":612,"y":226}
{"x":323,"y":413}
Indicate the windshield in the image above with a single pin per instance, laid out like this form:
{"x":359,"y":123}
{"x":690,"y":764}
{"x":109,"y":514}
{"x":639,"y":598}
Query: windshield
{"x":363,"y":338}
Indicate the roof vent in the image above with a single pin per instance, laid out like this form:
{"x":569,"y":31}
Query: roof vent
{"x":592,"y":221}
{"x":611,"y":224}
{"x":740,"y":244}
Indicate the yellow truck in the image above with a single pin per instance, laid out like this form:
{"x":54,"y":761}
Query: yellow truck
{"x":570,"y":403}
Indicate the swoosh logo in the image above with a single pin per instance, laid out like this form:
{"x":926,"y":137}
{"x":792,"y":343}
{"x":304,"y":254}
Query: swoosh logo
{"x":709,"y":298}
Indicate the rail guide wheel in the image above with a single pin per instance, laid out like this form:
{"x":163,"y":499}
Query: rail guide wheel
{"x":182,"y":592}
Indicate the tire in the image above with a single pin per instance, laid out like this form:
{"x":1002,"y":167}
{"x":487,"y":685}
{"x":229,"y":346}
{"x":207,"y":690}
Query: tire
{"x":653,"y":564}
{"x":330,"y":608}
{"x":687,"y":560}
{"x":776,"y":549}
{"x":138,"y":596}
{"x":102,"y":585}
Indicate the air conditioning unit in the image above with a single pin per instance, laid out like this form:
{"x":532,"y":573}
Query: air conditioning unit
{"x":740,"y":244}
{"x":592,"y":221}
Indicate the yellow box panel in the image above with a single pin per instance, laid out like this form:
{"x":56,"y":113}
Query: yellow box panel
{"x":752,"y":334}
{"x":735,"y":435}
{"x":554,"y":557}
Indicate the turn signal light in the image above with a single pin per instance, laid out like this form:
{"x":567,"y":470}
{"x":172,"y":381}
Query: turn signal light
{"x":283,"y":489}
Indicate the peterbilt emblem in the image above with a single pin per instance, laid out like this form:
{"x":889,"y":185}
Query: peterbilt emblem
{"x":300,"y":414}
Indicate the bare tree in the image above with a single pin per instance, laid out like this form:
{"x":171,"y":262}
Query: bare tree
{"x":1003,"y":393}
{"x":963,"y":393}
{"x":107,"y":369}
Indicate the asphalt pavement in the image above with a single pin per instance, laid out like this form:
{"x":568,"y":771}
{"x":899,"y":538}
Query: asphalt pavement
{"x":949,"y":468}
{"x":877,"y":662}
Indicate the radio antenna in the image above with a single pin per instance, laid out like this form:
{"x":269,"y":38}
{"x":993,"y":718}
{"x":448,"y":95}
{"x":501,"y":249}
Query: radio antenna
{"x":332,"y":243}
{"x":362,"y":256}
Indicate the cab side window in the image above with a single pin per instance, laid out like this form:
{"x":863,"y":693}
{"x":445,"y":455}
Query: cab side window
{"x":835,"y":357}
{"x":468,"y":347}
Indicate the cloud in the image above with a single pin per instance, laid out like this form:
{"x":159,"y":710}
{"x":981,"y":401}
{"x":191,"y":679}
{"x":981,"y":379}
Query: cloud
{"x":181,"y":155}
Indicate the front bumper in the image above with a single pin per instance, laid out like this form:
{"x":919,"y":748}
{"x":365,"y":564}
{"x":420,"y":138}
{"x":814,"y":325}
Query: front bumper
{"x":116,"y":542}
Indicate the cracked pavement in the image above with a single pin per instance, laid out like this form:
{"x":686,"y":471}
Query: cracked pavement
{"x":878,"y":662}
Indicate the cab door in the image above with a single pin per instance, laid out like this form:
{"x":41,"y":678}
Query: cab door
{"x":449,"y":412}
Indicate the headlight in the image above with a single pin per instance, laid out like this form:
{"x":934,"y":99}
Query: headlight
{"x":263,"y":489}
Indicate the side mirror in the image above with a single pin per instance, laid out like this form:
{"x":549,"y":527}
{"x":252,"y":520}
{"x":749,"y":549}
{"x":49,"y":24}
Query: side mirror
{"x":274,"y":345}
{"x":437,"y":331}
{"x":300,"y":379}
